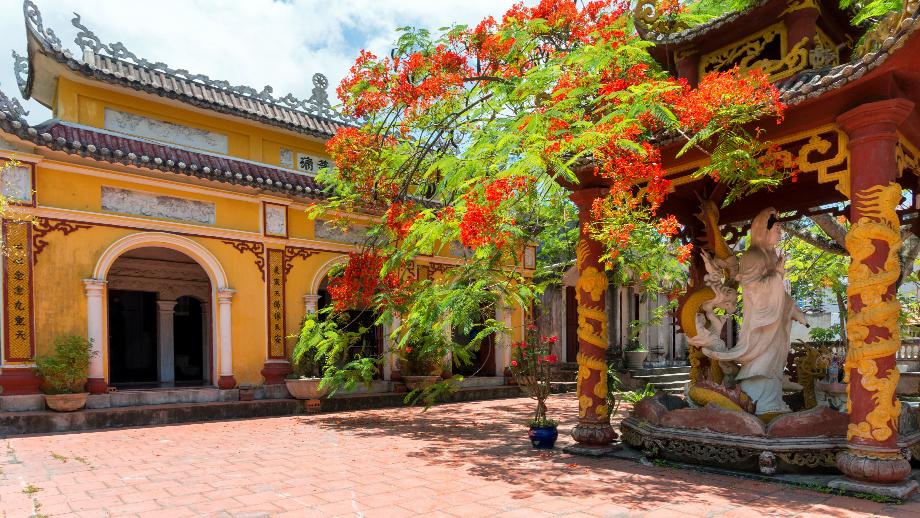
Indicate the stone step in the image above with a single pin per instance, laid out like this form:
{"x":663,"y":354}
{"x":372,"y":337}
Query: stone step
{"x":44,"y":422}
{"x":662,"y":378}
{"x":661,"y":370}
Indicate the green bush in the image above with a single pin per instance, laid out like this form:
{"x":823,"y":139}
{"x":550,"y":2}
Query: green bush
{"x":65,"y":371}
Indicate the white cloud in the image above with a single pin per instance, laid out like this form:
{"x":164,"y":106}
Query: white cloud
{"x":247,"y":42}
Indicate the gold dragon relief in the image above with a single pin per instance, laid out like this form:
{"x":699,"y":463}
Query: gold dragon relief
{"x":879,"y":222}
{"x":882,"y":422}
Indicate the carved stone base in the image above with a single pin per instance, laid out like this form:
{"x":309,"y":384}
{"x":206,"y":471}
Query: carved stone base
{"x":19,"y":382}
{"x":594,"y":434}
{"x":875,"y":468}
{"x":226,"y":382}
{"x":592,"y":451}
{"x":275,"y":371}
{"x":900,"y":491}
{"x":97,"y":386}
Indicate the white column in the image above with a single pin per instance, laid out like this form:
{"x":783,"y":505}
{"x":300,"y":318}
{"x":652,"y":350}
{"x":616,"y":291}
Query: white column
{"x":95,"y":331}
{"x":224,"y":297}
{"x":166,"y":351}
{"x":504,"y":340}
{"x":389,"y":359}
{"x":311,"y":303}
{"x":206,"y":342}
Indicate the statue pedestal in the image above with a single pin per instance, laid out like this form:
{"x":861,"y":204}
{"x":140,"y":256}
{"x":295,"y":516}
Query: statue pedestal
{"x":900,"y":491}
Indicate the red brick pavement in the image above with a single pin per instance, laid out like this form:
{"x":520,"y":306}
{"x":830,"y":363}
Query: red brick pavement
{"x":460,"y":460}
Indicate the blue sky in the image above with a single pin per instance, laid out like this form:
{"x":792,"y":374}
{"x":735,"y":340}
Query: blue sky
{"x":247,"y":42}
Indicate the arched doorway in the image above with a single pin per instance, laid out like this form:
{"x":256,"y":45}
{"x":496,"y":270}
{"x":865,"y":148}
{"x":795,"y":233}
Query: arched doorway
{"x":158,"y":332}
{"x":360,"y":321}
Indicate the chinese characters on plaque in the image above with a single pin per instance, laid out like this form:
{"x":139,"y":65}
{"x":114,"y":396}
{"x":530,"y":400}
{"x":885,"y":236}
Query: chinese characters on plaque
{"x":311,"y":164}
{"x":276,"y":303}
{"x":17,"y":279}
{"x":304,"y":162}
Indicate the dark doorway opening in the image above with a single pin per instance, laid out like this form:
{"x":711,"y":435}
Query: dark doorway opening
{"x":132,"y":338}
{"x":482,"y":360}
{"x":189,"y":343}
{"x":571,"y":324}
{"x":370,"y":342}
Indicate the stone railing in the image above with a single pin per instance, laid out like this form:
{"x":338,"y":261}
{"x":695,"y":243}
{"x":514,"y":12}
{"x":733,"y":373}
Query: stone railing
{"x":909,"y":351}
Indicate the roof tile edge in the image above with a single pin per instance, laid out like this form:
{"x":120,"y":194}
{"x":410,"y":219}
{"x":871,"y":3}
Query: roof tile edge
{"x":317,"y":105}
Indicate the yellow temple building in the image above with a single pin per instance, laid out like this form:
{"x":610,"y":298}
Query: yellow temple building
{"x":165,"y":220}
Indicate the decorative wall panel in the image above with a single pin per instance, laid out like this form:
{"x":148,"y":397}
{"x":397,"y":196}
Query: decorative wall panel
{"x":162,"y":131}
{"x":17,"y":183}
{"x":275,"y":220}
{"x":329,"y":231}
{"x":150,"y":205}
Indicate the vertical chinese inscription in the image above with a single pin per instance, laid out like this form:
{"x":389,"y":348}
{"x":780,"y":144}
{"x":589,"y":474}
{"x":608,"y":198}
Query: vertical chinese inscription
{"x":17,"y":283}
{"x":276,"y":303}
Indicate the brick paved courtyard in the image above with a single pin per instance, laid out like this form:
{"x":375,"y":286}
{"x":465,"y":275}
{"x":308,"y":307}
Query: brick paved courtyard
{"x":465,"y":460}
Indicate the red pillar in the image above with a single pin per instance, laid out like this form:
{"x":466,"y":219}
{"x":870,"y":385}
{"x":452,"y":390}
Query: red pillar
{"x":593,"y":427}
{"x":688,"y":67}
{"x":873,"y":242}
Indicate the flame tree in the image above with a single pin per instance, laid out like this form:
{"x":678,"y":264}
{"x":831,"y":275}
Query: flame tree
{"x":466,"y":137}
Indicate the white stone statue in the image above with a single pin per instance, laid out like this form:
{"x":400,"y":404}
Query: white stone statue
{"x":768,"y":311}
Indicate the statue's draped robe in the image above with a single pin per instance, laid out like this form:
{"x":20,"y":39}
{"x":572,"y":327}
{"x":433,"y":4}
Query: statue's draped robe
{"x":763,"y":346}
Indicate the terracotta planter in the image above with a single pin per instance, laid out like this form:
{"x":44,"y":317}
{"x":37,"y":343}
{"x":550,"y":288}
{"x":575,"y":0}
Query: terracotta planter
{"x":66,"y":402}
{"x":305,"y":388}
{"x":635,"y":360}
{"x":420,"y":382}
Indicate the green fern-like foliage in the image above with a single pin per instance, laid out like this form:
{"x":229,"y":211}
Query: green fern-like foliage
{"x":871,"y":9}
{"x":65,"y":371}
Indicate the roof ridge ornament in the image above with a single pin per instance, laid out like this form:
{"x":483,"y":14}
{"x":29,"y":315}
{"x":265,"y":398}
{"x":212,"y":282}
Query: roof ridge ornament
{"x":12,"y":107}
{"x":21,"y":71}
{"x":655,"y":18}
{"x":34,"y":23}
{"x":886,"y":28}
{"x":317,"y":105}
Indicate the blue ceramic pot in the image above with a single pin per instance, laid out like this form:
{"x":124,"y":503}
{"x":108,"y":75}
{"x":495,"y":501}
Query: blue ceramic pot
{"x":543,"y":437}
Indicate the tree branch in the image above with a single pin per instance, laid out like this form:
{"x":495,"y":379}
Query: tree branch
{"x":832,"y":228}
{"x":830,"y":247}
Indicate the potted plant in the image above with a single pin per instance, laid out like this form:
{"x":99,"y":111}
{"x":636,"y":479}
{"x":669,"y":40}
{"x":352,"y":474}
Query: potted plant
{"x":64,"y":373}
{"x":635,"y":355}
{"x":422,"y":363}
{"x":305,"y":379}
{"x":531,"y":363}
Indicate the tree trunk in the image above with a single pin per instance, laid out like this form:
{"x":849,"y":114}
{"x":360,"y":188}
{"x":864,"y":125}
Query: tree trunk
{"x":842,"y":311}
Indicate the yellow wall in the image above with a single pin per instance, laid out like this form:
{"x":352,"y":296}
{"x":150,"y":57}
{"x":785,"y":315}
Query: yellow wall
{"x":85,"y":104}
{"x":59,"y":296}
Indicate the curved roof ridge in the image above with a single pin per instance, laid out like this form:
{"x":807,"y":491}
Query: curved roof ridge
{"x":113,"y":62}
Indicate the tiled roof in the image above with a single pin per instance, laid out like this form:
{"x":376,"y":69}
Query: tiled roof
{"x":698,"y":30}
{"x":115,"y":64}
{"x":812,"y":83}
{"x":116,"y":149}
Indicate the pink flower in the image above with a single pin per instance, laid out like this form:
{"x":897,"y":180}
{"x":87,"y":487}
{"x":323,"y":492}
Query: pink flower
{"x":514,"y":363}
{"x":553,"y":339}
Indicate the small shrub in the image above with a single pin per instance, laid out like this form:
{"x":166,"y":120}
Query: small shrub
{"x":65,"y":371}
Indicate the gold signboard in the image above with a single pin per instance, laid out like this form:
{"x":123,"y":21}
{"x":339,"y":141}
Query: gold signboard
{"x":276,"y":303}
{"x":17,"y":286}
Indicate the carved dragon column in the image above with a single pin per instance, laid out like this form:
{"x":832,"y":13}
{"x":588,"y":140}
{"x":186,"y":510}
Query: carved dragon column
{"x":593,"y":427}
{"x":873,"y":242}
